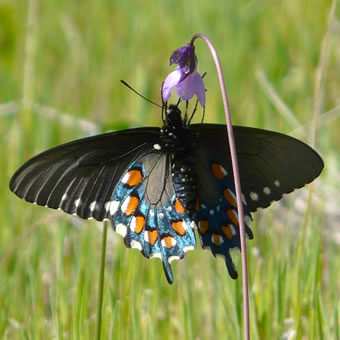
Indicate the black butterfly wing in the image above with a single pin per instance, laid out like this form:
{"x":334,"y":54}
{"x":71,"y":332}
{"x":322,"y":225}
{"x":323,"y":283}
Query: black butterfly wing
{"x":71,"y":176}
{"x":124,"y":177}
{"x":270,"y":165}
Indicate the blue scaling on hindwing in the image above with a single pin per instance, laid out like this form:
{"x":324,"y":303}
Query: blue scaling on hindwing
{"x":218,"y":219}
{"x":160,"y":229}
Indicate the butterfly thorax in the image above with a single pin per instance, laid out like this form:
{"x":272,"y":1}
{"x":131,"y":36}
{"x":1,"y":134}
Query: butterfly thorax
{"x":179,"y":141}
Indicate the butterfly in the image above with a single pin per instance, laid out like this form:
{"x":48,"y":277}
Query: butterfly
{"x":157,"y":185}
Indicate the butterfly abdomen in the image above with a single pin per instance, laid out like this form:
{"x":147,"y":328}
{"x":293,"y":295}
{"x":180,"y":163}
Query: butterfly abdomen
{"x":185,"y":182}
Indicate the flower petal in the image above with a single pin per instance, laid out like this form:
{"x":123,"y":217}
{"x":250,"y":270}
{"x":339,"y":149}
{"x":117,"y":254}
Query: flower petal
{"x":190,"y":86}
{"x":171,"y":82}
{"x":199,"y":88}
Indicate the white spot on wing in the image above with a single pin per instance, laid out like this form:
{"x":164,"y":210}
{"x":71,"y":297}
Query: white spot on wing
{"x":184,"y":225}
{"x":114,"y":207}
{"x":254,"y":196}
{"x":173,"y":258}
{"x":111,"y":206}
{"x":126,"y":177}
{"x":156,"y":146}
{"x":77,"y":202}
{"x":125,"y":204}
{"x":156,"y":256}
{"x":161,"y":215}
{"x":146,"y":236}
{"x":232,"y":194}
{"x":277,"y":183}
{"x":121,"y":229}
{"x":93,"y":206}
{"x":266,"y":190}
{"x":224,"y":171}
{"x":247,"y":220}
{"x":133,"y":224}
{"x":187,"y":248}
{"x":135,"y":244}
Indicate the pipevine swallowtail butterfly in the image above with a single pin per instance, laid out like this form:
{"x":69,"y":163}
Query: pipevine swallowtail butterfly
{"x":156,"y":185}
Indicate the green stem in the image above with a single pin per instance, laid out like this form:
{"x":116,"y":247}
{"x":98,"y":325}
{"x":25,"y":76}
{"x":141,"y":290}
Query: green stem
{"x":101,"y":283}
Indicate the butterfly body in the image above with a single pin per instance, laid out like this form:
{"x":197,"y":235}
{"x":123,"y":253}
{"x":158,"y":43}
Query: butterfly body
{"x":156,"y":185}
{"x":179,"y":142}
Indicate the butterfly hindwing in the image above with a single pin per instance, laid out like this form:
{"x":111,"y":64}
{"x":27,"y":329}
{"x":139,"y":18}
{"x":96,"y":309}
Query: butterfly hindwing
{"x":270,"y":164}
{"x":147,"y":213}
{"x":218,"y":224}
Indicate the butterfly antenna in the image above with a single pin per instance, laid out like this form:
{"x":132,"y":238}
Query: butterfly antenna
{"x":132,"y":89}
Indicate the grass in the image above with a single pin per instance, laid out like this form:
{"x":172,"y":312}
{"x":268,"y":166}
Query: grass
{"x":60,"y":66}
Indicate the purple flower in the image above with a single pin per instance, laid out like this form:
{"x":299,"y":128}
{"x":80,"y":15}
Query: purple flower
{"x":185,"y":78}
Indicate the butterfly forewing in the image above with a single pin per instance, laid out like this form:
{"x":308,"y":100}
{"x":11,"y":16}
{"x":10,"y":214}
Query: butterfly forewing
{"x":75,"y":175}
{"x":270,"y":164}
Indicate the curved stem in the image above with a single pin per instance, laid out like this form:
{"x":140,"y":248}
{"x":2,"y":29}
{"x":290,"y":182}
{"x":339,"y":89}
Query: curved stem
{"x":236,"y":181}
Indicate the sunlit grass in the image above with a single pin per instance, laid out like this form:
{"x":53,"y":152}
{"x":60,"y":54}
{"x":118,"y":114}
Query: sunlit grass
{"x":60,"y":81}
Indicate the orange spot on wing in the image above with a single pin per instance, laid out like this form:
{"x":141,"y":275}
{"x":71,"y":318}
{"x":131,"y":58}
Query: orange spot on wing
{"x":140,"y":222}
{"x":132,"y":205}
{"x":218,"y":171}
{"x":153,"y":235}
{"x":197,"y":205}
{"x":229,"y":197}
{"x":230,"y":213}
{"x":168,"y":241}
{"x":227,"y":231}
{"x":217,"y":239}
{"x":178,"y":227}
{"x":179,"y":206}
{"x":203,"y":226}
{"x":135,"y":177}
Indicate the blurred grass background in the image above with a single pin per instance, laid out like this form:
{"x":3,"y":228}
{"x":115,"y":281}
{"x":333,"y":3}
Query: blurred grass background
{"x":60,"y":66}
